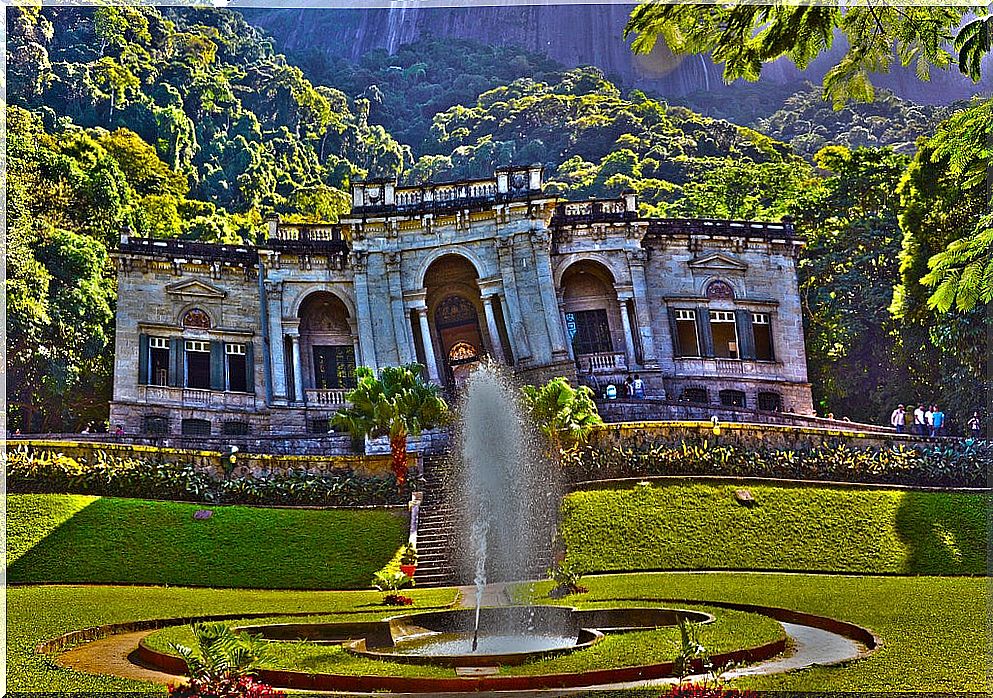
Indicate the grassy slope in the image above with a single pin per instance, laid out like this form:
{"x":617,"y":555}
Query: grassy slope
{"x":932,"y":628}
{"x":695,"y":526}
{"x":32,"y":517}
{"x":130,"y":541}
{"x":35,"y":614}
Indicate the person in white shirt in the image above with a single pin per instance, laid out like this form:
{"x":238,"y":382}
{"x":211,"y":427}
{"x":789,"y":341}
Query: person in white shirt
{"x":920,"y":422}
{"x":896,"y":419}
{"x":929,"y":421}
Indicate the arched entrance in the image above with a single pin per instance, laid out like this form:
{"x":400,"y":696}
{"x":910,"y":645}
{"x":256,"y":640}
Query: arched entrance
{"x":327,"y":347}
{"x":455,"y":306}
{"x":594,"y":324}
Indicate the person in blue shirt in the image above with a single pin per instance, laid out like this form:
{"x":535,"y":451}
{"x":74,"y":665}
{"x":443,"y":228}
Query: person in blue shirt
{"x":938,"y":420}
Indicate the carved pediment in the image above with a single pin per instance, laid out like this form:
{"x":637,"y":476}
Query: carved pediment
{"x":194,"y":288}
{"x":717,"y":261}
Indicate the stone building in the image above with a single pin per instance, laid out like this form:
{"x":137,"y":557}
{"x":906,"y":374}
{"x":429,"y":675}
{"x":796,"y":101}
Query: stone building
{"x":225,"y":339}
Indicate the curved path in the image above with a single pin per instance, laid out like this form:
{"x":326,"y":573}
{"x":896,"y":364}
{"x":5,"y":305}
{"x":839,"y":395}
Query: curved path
{"x":811,"y":647}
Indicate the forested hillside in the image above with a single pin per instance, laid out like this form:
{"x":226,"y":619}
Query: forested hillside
{"x":190,"y":123}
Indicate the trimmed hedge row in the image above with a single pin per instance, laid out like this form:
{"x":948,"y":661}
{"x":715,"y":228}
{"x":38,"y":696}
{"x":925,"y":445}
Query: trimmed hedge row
{"x":946,"y":464}
{"x":113,"y":476}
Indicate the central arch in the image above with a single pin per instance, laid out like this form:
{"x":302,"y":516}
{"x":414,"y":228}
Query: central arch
{"x":455,"y":306}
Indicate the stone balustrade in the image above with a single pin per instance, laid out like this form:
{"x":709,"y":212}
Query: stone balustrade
{"x":330,"y":397}
{"x":603,"y":362}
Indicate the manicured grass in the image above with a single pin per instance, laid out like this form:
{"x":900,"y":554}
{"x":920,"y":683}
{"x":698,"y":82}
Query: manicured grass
{"x":730,"y":630}
{"x":932,"y":628}
{"x":697,"y":526}
{"x":36,"y":614}
{"x":32,"y":517}
{"x":65,"y":538}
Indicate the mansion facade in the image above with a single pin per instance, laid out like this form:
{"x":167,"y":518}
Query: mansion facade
{"x":224,"y":339}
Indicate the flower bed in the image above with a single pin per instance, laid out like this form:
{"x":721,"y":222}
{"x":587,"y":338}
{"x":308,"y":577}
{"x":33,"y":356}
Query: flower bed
{"x":114,"y":476}
{"x":946,"y":463}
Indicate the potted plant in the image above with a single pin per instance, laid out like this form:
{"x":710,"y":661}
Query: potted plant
{"x":408,"y":560}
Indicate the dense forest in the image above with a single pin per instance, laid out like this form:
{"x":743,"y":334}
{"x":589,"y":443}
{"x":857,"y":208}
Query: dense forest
{"x":189,"y":123}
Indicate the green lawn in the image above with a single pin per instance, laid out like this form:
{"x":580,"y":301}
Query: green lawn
{"x":67,"y":538}
{"x":35,"y":614}
{"x":696,"y":526}
{"x":932,"y":628}
{"x":730,"y":630}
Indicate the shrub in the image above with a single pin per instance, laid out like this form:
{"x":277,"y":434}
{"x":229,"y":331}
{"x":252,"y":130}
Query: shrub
{"x":699,"y":690}
{"x":113,"y":476}
{"x":390,"y":583}
{"x":222,"y":664}
{"x":397,"y":600}
{"x":241,"y":687}
{"x":948,"y":464}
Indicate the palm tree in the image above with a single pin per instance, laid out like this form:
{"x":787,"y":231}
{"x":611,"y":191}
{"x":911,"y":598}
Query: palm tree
{"x":398,"y":404}
{"x":566,"y":415}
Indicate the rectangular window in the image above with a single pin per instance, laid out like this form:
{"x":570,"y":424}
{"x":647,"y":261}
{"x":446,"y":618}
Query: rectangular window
{"x":763,"y":336}
{"x":158,"y":361}
{"x":234,"y":428}
{"x":687,"y":340}
{"x":592,"y":332}
{"x":237,"y":368}
{"x":198,"y":365}
{"x":334,"y":367}
{"x":725,"y":333}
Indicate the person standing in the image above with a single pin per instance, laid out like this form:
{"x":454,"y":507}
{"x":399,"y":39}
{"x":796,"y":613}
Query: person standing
{"x":628,"y":388}
{"x":938,"y":418}
{"x":639,"y":387}
{"x":896,"y":419}
{"x":929,"y":420}
{"x":920,"y":421}
{"x":974,"y":425}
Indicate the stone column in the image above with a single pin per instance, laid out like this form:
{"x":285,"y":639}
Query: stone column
{"x":517,"y":330}
{"x":367,"y":343}
{"x":546,"y":287}
{"x":565,"y":326}
{"x":277,"y":359}
{"x":642,"y":308}
{"x":401,"y":324}
{"x":628,"y":337}
{"x":429,"y":356}
{"x":297,"y":368}
{"x":491,"y":327}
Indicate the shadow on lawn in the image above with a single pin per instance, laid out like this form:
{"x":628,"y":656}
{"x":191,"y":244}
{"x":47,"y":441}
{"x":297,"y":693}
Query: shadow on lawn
{"x":945,"y":534}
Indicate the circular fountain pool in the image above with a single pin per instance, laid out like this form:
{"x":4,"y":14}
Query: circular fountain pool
{"x":451,"y":644}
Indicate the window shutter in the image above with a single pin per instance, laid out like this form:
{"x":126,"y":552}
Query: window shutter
{"x":703,"y":327}
{"x":746,"y":334}
{"x":217,"y":365}
{"x":143,"y":359}
{"x":674,"y":331}
{"x":176,"y":362}
{"x":250,"y":366}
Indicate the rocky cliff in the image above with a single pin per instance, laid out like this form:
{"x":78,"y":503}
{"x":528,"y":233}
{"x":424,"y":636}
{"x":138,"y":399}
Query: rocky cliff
{"x":573,"y":34}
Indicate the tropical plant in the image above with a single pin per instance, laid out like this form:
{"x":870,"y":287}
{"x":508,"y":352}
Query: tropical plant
{"x":399,"y":403}
{"x":566,"y":576}
{"x":221,"y":655}
{"x":241,"y":687}
{"x":565,"y":415}
{"x":390,"y":583}
{"x":409,"y":555}
{"x":690,"y":648}
{"x":743,"y":36}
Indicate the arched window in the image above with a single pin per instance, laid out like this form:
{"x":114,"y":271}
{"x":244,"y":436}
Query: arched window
{"x":196,"y":319}
{"x":719,"y":291}
{"x":462,"y":352}
{"x":732,"y":398}
{"x":697,"y":396}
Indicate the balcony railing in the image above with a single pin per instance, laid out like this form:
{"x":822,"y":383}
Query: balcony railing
{"x":331,"y":397}
{"x":603,"y":362}
{"x":194,"y":397}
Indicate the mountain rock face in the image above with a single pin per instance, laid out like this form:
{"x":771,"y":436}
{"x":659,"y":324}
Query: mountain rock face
{"x":573,"y":34}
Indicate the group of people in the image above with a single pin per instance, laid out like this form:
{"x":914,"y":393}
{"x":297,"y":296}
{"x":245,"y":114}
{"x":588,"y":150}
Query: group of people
{"x":926,"y":421}
{"x":633,"y":388}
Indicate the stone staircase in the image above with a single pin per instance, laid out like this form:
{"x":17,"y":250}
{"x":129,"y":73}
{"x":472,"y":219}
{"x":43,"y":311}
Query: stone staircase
{"x":438,"y":535}
{"x":441,"y":537}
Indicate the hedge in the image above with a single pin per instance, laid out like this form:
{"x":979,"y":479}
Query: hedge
{"x":951,"y":463}
{"x":113,"y":476}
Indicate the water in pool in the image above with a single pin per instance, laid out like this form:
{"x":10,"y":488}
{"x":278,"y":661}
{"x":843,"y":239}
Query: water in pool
{"x":450,"y":644}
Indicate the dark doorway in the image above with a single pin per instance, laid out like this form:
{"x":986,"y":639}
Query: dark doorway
{"x":334,"y":367}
